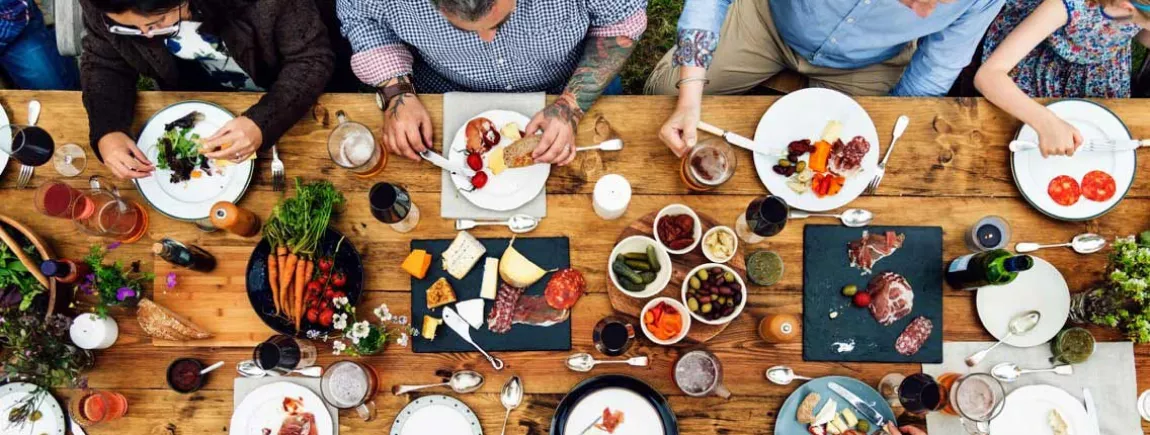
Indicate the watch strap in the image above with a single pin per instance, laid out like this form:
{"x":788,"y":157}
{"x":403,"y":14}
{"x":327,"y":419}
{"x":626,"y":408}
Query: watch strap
{"x":386,"y":93}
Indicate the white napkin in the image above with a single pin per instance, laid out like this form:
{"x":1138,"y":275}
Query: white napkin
{"x":1109,"y":374}
{"x":244,"y":386}
{"x":460,"y":107}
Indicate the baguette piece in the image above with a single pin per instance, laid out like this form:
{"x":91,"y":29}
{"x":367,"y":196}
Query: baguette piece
{"x":518,"y":154}
{"x":162,"y":323}
{"x":806,"y":411}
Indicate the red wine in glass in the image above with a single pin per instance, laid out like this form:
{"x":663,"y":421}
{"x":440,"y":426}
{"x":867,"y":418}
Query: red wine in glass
{"x":30,"y":145}
{"x":920,"y":394}
{"x":767,"y":215}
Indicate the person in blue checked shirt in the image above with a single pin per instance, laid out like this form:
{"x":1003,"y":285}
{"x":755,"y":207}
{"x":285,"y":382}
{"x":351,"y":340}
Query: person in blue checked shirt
{"x":859,"y":47}
{"x":28,"y":53}
{"x":573,"y":48}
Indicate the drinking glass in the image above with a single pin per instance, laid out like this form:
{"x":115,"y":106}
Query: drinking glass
{"x":69,"y":160}
{"x":102,"y":211}
{"x":977,"y":398}
{"x":30,"y":145}
{"x":708,"y":165}
{"x":350,"y":385}
{"x":95,"y":407}
{"x":613,"y":335}
{"x":920,"y":394}
{"x":55,"y":199}
{"x":699,"y":373}
{"x":765,"y":217}
{"x":352,"y":146}
{"x":989,"y":233}
{"x":284,"y":353}
{"x":391,"y":204}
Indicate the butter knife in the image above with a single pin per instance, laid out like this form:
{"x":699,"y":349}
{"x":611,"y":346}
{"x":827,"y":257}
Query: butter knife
{"x":1095,"y":145}
{"x":1091,"y":411}
{"x":461,"y":327}
{"x":442,"y":162}
{"x":75,"y":427}
{"x":866,"y":410}
{"x":737,"y":140}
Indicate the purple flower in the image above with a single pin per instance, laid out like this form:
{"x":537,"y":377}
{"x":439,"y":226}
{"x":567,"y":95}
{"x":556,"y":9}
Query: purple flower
{"x":171,"y":280}
{"x":87,"y":285}
{"x":113,"y":245}
{"x":123,"y":293}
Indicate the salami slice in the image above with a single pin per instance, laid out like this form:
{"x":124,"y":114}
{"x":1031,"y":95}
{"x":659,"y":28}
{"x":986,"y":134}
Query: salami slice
{"x":913,"y":336}
{"x":565,"y":288}
{"x":1098,"y":186}
{"x":501,"y":316}
{"x":1064,"y":190}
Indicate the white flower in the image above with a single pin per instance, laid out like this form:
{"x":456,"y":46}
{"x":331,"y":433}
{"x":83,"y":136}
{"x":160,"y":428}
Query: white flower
{"x":339,"y":302}
{"x":354,"y":340}
{"x":312,"y":334}
{"x":402,"y":340}
{"x":338,"y":347}
{"x":383,"y":313}
{"x":339,"y":321}
{"x":360,"y":330}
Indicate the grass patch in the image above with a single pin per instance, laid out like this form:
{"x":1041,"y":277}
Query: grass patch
{"x":662,"y":18}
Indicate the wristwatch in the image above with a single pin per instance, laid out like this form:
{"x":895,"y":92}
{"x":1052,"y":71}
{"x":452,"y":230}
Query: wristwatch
{"x":384,"y":94}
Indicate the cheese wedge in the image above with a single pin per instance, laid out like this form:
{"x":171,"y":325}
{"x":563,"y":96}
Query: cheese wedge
{"x":832,"y":132}
{"x":417,"y":263}
{"x":440,"y":294}
{"x":430,"y":325}
{"x":826,"y":414}
{"x":836,"y":426}
{"x":850,"y":418}
{"x":516,"y":270}
{"x":472,"y":311}
{"x":462,"y":255}
{"x":490,"y":279}
{"x":495,"y":161}
{"x":510,"y":132}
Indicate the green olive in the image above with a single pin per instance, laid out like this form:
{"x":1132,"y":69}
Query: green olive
{"x":801,"y":166}
{"x":850,"y":290}
{"x":784,"y":162}
{"x":693,"y":304}
{"x":702,"y":275}
{"x":729,"y":277}
{"x":863,"y":426}
{"x":706,"y":308}
{"x":695,"y":283}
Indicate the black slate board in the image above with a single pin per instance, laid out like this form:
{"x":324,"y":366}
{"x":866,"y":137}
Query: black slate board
{"x":826,"y":269}
{"x":548,"y":252}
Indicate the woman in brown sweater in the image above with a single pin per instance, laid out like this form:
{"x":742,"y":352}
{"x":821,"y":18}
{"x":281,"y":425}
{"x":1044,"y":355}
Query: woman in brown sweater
{"x":275,"y":46}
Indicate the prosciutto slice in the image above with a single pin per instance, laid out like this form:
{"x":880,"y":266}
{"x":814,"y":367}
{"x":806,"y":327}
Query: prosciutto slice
{"x":868,"y":250}
{"x":891,"y":298}
{"x":536,"y":311}
{"x":846,"y":159}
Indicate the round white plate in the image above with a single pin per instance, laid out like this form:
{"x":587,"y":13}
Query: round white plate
{"x":1032,"y":172}
{"x":263,"y":409}
{"x":639,"y":417}
{"x":192,"y":199}
{"x":1041,"y":288}
{"x":510,"y":189}
{"x":5,"y":139}
{"x":436,"y":414}
{"x":52,"y":416}
{"x":1027,"y":411}
{"x":803,"y":115}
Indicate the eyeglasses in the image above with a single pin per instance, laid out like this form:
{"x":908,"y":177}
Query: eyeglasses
{"x":117,"y":29}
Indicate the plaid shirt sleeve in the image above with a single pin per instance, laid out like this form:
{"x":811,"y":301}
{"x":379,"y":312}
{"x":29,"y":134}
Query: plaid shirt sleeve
{"x":14,"y":16}
{"x":378,"y":53}
{"x":617,"y":18}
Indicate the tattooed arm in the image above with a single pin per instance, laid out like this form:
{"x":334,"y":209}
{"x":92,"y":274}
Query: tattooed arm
{"x":407,"y":128}
{"x":602,"y":59}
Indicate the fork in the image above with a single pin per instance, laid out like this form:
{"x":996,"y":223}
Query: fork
{"x":277,"y":171}
{"x":25,"y":176}
{"x":899,"y":129}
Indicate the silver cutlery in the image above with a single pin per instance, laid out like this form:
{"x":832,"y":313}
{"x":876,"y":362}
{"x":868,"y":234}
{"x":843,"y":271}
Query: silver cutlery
{"x":1009,"y":372}
{"x":519,"y":224}
{"x":783,"y":375}
{"x":26,"y":171}
{"x":584,"y":362}
{"x":738,"y":140}
{"x":592,"y":425}
{"x":442,"y":162}
{"x":463,"y":382}
{"x":33,"y":112}
{"x":1092,"y":145}
{"x":852,"y":217}
{"x":1087,"y":243}
{"x":899,"y":128}
{"x":249,"y":369}
{"x":607,"y":145}
{"x":24,"y":177}
{"x":865,"y":410}
{"x":1091,"y":411}
{"x":461,"y":327}
{"x":1019,"y":325}
{"x":277,"y":171}
{"x":511,"y":396}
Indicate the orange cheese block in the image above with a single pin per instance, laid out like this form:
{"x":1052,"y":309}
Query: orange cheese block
{"x":417,"y":263}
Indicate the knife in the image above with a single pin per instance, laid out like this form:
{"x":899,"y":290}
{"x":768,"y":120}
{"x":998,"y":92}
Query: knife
{"x":442,"y":162}
{"x":75,"y":427}
{"x":737,"y":139}
{"x":866,"y":410}
{"x":461,"y":327}
{"x":1095,"y":145}
{"x":1091,"y":410}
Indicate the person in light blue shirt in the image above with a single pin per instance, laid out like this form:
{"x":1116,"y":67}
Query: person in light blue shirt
{"x":859,"y":47}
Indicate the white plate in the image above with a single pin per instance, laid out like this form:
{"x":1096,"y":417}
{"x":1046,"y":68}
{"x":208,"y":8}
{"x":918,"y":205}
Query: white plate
{"x":193,"y":199}
{"x":51,"y":421}
{"x":263,"y":408}
{"x":639,"y":417}
{"x":1041,"y":288}
{"x":803,"y":115}
{"x":436,"y":414}
{"x":5,"y":139}
{"x":1027,"y":411}
{"x":1032,"y":172}
{"x":510,"y":189}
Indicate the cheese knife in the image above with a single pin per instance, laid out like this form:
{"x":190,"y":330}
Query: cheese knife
{"x":866,"y":410}
{"x":1091,"y":411}
{"x":442,"y":162}
{"x":460,"y":326}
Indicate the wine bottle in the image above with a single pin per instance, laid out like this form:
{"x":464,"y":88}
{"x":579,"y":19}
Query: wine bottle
{"x":994,"y":267}
{"x":188,"y":256}
{"x":64,"y":270}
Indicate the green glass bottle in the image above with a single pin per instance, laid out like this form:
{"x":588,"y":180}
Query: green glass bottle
{"x":994,"y":267}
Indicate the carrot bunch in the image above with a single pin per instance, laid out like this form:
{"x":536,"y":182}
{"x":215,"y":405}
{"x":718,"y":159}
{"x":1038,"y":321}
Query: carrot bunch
{"x":294,"y":230}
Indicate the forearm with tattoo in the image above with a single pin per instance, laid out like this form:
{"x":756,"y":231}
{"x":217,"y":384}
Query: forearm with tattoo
{"x":602,"y":60}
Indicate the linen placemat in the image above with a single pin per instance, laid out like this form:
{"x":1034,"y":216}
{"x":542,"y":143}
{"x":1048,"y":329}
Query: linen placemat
{"x":244,"y":386}
{"x":460,"y":107}
{"x":1109,"y":374}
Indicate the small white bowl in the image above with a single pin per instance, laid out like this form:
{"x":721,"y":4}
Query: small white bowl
{"x":640,"y":244}
{"x":682,"y":309}
{"x":722,"y":320}
{"x":675,"y":209}
{"x":711,"y":256}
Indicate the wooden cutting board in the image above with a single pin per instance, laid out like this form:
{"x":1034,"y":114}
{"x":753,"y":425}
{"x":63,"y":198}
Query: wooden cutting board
{"x":216,"y":301}
{"x":645,"y":226}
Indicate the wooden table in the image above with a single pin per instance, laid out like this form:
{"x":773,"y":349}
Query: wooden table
{"x":949,"y":169}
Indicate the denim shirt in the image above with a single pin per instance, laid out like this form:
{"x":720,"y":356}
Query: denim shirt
{"x":850,"y":34}
{"x":14,"y":16}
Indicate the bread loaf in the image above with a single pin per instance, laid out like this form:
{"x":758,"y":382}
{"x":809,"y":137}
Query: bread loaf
{"x":162,"y":323}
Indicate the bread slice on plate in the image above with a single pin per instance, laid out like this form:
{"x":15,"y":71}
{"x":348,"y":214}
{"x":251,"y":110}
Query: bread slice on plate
{"x":806,"y":412}
{"x":518,"y":154}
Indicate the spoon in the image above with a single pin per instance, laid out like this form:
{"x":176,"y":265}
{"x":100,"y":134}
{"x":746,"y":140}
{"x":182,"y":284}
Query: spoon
{"x":33,"y":112}
{"x":1010,"y":372}
{"x":511,"y":396}
{"x":584,"y":362}
{"x":1087,"y":243}
{"x":463,"y":381}
{"x":607,"y":145}
{"x":1019,"y":325}
{"x":519,"y":224}
{"x":210,"y":368}
{"x":852,"y":217}
{"x":783,"y":375}
{"x":249,"y":369}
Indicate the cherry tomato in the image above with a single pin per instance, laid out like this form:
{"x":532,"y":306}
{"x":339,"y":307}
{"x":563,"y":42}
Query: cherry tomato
{"x":474,"y":161}
{"x":313,"y":288}
{"x":325,"y":264}
{"x":479,"y":180}
{"x":325,"y":317}
{"x":339,"y":279}
{"x":313,"y":315}
{"x":862,"y":299}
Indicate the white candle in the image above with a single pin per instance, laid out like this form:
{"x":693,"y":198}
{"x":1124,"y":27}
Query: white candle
{"x":611,"y":197}
{"x":89,"y":331}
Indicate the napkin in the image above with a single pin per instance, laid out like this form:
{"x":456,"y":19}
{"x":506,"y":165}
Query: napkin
{"x":460,"y":107}
{"x":244,"y":386}
{"x":1109,"y":374}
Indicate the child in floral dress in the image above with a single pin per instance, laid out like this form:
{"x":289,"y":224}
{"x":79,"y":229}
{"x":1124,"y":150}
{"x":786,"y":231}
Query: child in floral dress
{"x":1061,"y":49}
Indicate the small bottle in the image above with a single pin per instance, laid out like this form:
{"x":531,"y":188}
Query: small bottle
{"x":64,"y":270}
{"x":994,"y":267}
{"x":187,"y":256}
{"x":236,"y":220}
{"x":779,"y":328}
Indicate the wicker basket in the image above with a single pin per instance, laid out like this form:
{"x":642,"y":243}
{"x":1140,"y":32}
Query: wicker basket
{"x":55,"y":302}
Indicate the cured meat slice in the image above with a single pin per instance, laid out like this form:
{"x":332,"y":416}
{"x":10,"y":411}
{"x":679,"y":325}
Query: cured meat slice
{"x":913,"y":336}
{"x":1098,"y":186}
{"x":537,"y":311}
{"x":298,"y":424}
{"x":565,"y":288}
{"x":891,"y":297}
{"x":501,"y":316}
{"x":610,"y":421}
{"x":868,"y":250}
{"x":846,"y":159}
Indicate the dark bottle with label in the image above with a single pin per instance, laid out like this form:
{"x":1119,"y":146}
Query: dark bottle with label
{"x":187,"y":256}
{"x":994,"y":267}
{"x":64,"y":270}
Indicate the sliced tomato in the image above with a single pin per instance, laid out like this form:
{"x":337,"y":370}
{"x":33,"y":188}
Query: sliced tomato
{"x":1098,"y":186}
{"x":1064,"y":190}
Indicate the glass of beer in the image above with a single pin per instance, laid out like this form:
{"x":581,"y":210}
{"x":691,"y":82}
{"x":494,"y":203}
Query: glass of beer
{"x":352,"y":146}
{"x":350,"y":385}
{"x":708,"y":165}
{"x":976,"y":398}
